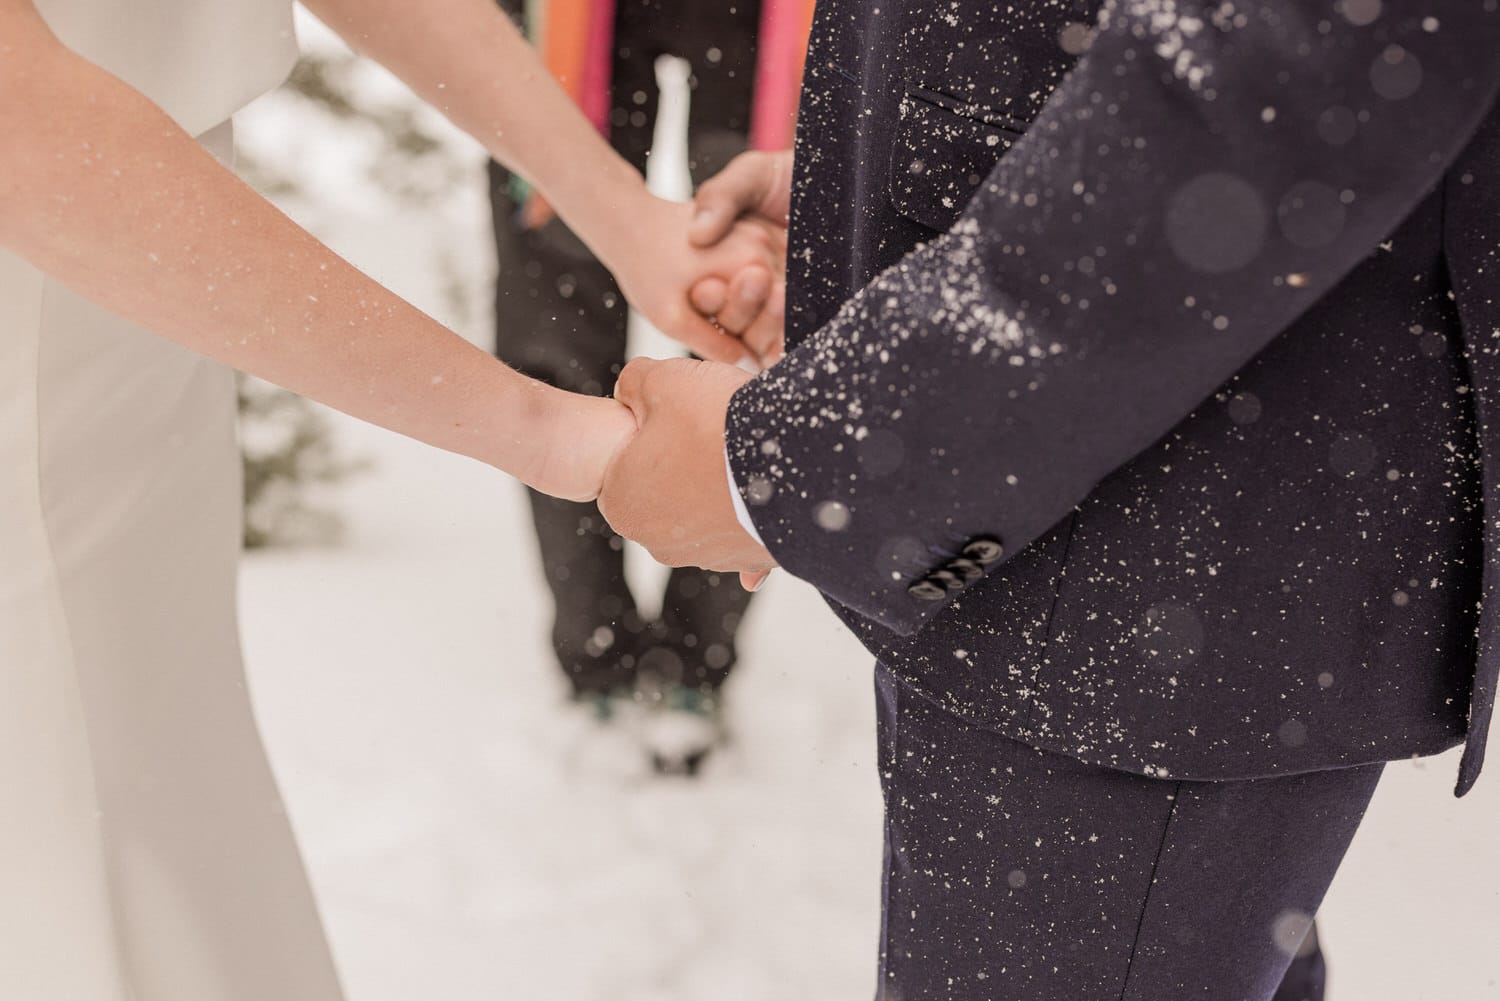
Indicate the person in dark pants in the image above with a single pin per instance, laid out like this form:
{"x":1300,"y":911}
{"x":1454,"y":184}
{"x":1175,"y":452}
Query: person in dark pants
{"x":1138,"y":414}
{"x":1074,"y":882}
{"x":561,"y":319}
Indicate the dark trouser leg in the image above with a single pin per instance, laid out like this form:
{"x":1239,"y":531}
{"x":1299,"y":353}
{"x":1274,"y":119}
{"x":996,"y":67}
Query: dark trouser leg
{"x":596,"y":631}
{"x":701,"y":611}
{"x":1307,"y":977}
{"x":560,"y":318}
{"x":718,"y":41}
{"x":1018,"y":874}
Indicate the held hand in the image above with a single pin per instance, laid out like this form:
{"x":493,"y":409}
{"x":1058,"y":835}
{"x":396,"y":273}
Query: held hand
{"x":753,"y":187}
{"x":667,"y":488}
{"x":660,"y":266}
{"x":574,"y":439}
{"x":753,"y":184}
{"x":741,"y":306}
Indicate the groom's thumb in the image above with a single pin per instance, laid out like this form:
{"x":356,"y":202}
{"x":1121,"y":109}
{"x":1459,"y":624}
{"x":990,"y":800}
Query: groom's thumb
{"x":630,"y":387}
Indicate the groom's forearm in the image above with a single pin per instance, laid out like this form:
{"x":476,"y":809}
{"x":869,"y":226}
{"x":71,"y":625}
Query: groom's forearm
{"x":466,"y":58}
{"x":974,"y":366}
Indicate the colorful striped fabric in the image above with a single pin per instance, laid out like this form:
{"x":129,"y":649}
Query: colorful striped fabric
{"x":784,"y":26}
{"x":576,"y":39}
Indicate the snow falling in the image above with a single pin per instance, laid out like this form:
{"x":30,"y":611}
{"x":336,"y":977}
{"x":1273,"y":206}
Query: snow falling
{"x":468,"y":842}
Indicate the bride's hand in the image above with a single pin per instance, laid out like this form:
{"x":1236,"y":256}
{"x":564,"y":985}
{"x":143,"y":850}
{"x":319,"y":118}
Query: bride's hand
{"x":658,"y":265}
{"x":573,"y":439}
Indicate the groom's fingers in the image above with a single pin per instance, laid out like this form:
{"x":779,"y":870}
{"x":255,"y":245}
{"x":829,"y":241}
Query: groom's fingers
{"x":753,"y":581}
{"x":751,"y":307}
{"x":646,"y":382}
{"x":739,"y":188}
{"x":748,"y":292}
{"x":719,"y":202}
{"x":699,"y":335}
{"x":709,"y":295}
{"x":766,"y":337}
{"x":711,"y":222}
{"x":630,"y":387}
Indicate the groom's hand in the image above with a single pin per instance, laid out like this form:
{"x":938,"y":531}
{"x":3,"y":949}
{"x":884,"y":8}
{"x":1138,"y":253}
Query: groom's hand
{"x":667,"y":489}
{"x":658,"y":266}
{"x":757,"y":186}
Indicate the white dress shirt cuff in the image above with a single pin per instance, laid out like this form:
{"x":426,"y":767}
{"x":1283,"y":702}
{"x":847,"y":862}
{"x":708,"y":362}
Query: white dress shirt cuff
{"x":740,"y":510}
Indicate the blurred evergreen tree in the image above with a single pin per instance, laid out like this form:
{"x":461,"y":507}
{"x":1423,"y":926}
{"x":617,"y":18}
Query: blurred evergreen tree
{"x":288,"y":453}
{"x":290,"y":457}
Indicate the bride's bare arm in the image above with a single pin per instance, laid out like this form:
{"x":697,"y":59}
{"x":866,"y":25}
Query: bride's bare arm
{"x":101,"y":190}
{"x":466,"y":58}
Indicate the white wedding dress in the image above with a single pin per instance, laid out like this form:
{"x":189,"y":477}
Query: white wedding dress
{"x":144,"y":852}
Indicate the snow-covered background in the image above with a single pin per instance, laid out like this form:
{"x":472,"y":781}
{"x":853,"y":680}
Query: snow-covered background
{"x":467,"y":838}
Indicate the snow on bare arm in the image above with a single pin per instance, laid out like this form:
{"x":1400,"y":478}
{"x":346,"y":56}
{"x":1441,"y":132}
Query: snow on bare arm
{"x":467,"y":59}
{"x":102,"y":191}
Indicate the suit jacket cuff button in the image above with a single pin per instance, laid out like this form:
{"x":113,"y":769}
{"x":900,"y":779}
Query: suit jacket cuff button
{"x":927,"y":590}
{"x":985,"y":549}
{"x":969,"y":570}
{"x":947,"y":580}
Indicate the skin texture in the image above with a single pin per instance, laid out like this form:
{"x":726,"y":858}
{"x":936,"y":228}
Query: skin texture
{"x":667,"y":488}
{"x":755,"y":186}
{"x":102,"y":191}
{"x":679,"y":451}
{"x":475,"y":67}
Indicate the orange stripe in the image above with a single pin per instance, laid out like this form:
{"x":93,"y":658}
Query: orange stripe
{"x":566,"y":41}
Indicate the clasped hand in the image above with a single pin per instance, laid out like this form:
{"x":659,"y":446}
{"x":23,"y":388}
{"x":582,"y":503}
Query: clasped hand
{"x":711,"y":273}
{"x":667,"y":486}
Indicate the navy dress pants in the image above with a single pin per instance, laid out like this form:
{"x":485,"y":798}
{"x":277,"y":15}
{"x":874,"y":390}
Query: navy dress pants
{"x":1013,"y":874}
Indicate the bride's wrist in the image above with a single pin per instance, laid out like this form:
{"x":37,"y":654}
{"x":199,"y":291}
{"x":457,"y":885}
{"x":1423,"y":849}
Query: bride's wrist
{"x":614,"y":232}
{"x":566,"y":440}
{"x":527,"y":433}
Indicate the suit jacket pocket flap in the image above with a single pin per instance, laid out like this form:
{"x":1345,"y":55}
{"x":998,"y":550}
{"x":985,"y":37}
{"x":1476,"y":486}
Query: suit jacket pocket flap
{"x":941,"y":157}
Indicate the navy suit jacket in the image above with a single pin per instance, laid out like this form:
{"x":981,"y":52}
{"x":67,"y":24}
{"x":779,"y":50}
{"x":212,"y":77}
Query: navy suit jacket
{"x":1142,"y":381}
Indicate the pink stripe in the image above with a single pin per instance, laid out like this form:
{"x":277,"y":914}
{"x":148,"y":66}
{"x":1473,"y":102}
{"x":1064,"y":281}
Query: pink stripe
{"x":593,"y":96}
{"x":778,"y":84}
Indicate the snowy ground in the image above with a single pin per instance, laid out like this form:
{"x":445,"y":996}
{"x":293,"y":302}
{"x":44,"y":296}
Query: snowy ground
{"x":462,"y":851}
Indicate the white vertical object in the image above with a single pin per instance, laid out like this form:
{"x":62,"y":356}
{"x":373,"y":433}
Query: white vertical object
{"x":666,"y":175}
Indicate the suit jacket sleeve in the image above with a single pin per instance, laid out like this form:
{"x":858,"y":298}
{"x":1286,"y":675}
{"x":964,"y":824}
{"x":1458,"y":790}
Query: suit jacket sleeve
{"x":1187,"y":192}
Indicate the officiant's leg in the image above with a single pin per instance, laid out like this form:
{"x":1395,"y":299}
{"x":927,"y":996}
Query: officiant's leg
{"x":702,"y":611}
{"x":560,"y":317}
{"x":701,"y":616}
{"x":1012,"y":872}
